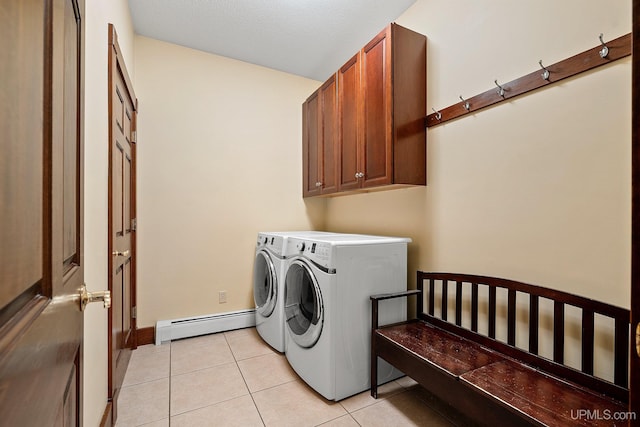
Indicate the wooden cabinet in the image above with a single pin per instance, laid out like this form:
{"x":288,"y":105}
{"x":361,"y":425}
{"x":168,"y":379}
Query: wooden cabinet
{"x":319,"y":149}
{"x":348,"y":124}
{"x":381,"y":108}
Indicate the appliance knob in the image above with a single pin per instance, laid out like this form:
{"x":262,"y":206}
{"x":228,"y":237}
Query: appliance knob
{"x":265,"y":240}
{"x":300,"y":246}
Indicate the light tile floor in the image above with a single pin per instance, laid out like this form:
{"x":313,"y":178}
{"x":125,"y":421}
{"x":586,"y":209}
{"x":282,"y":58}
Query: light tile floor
{"x":235,"y":379}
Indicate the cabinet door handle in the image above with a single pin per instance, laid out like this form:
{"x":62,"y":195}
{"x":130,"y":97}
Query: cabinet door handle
{"x":318,"y":184}
{"x":359,"y":175}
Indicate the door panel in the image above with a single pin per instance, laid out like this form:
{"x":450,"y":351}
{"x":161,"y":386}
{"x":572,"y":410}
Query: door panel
{"x":348,"y":123}
{"x":634,"y":381}
{"x":311,"y":140}
{"x":121,"y":244}
{"x":376,"y":98}
{"x":329,"y":119}
{"x":21,"y":162}
{"x":41,"y":221}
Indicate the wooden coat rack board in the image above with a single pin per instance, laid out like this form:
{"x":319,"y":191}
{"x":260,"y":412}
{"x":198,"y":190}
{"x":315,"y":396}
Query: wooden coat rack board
{"x":603,"y":54}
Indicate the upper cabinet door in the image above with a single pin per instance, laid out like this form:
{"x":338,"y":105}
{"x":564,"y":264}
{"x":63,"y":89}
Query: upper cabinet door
{"x":376,"y":93}
{"x":349,"y":124}
{"x":311,"y":183}
{"x":329,"y":143}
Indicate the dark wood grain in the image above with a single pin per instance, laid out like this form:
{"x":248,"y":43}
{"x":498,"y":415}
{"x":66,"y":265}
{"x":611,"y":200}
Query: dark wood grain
{"x":634,"y":404}
{"x":146,"y":335}
{"x":587,"y":341}
{"x":349,"y":124}
{"x":459,"y":303}
{"x":381,"y":104}
{"x":558,"y":331}
{"x":310,"y":145}
{"x":451,"y":353}
{"x":41,"y":241}
{"x":535,"y":389}
{"x":533,"y":323}
{"x":541,"y":397}
{"x":444,"y":310}
{"x":511,"y":317}
{"x":618,"y":48}
{"x":328,"y":157}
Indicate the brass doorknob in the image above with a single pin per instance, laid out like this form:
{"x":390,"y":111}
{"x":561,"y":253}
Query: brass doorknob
{"x":125,"y":253}
{"x":638,"y":339}
{"x":87,"y":297}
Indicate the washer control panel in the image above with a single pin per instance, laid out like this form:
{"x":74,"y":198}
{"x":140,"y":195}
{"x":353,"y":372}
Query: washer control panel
{"x":273,"y":243}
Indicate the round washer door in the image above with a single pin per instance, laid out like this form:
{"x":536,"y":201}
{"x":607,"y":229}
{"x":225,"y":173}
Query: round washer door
{"x":303,"y":306}
{"x":265,"y":288}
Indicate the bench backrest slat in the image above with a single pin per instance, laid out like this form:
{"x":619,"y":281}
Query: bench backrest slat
{"x":534,"y":307}
{"x":459,"y":303}
{"x":511,"y":318}
{"x":492,"y":312}
{"x":444,"y":310}
{"x":474,"y":307}
{"x":562,"y":301}
{"x":558,"y":332}
{"x":587,"y":341}
{"x":621,"y":345}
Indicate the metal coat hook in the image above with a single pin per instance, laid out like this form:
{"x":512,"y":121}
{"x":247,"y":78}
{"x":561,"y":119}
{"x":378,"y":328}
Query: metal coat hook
{"x":545,"y":75}
{"x":604,"y":52}
{"x":465,"y":103}
{"x":438,"y":114}
{"x":500,"y":88}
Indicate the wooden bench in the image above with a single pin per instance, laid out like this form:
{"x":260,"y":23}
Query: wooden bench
{"x":490,"y":369}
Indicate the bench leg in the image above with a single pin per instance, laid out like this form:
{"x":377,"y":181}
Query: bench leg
{"x":374,"y":371}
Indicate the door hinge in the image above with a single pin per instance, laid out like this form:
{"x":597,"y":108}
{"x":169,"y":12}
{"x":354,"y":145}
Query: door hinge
{"x":134,"y":136}
{"x":134,"y":312}
{"x":134,"y":224}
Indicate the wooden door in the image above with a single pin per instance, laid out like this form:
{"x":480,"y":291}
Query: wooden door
{"x":41,"y":214}
{"x":311,"y":136}
{"x":349,"y":125}
{"x":634,"y":382}
{"x":329,"y":141}
{"x":122,"y":224}
{"x":377,"y":96}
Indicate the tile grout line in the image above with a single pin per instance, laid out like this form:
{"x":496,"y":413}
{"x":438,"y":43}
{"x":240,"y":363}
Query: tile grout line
{"x":244,"y":380}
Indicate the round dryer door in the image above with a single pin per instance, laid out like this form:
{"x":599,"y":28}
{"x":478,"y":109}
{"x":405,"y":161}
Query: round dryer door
{"x":303,"y":304}
{"x":265,"y":288}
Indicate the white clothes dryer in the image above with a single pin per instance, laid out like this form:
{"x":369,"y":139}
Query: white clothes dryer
{"x":268,"y":284}
{"x":328,"y":311}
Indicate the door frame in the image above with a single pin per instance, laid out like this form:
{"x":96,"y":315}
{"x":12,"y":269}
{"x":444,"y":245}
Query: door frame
{"x":634,"y":380}
{"x":115,"y":62}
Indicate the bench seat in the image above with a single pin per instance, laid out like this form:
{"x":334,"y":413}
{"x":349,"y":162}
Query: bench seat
{"x":451,"y":353}
{"x":544,"y":398}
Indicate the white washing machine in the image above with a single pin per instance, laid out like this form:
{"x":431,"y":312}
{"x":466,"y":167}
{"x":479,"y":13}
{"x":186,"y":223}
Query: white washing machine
{"x":328,"y":312}
{"x":268,"y":284}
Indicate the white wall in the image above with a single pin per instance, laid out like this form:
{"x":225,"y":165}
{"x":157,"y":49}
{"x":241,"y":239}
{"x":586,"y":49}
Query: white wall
{"x":219,"y":159}
{"x":99,"y":13}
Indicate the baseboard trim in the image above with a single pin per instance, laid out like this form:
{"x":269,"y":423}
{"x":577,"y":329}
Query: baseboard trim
{"x":168,"y":330}
{"x":146,"y":335}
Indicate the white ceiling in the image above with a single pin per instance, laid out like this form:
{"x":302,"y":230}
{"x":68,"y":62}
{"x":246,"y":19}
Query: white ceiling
{"x":310,"y":38}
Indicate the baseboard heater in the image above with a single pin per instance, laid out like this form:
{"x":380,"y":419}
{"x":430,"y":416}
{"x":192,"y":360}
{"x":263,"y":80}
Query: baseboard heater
{"x":168,"y":330}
